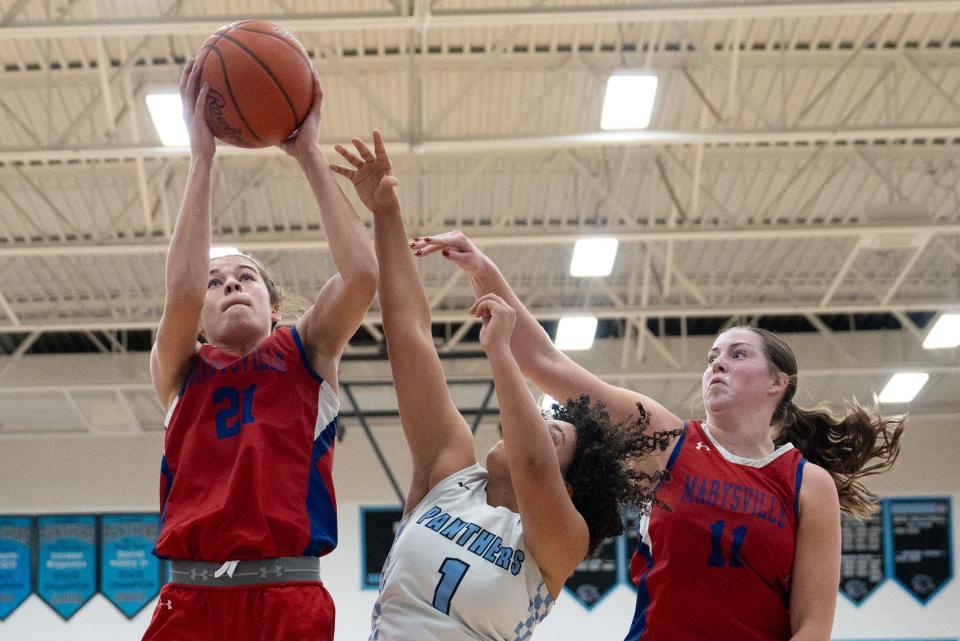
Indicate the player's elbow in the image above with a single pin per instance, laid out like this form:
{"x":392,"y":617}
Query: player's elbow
{"x":363,"y":280}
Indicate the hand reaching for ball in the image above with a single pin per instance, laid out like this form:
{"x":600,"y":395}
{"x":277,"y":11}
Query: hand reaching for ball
{"x":306,"y":138}
{"x":193,"y":97}
{"x":372,"y":175}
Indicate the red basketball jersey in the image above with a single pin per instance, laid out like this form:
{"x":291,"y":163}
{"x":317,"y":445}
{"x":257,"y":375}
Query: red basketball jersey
{"x":719,"y":565}
{"x":248,"y":456}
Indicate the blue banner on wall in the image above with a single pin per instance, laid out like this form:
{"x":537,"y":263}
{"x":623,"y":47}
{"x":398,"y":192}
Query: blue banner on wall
{"x":378,"y":528}
{"x":919,"y":548}
{"x":66,"y":562}
{"x":862,"y":566}
{"x":596,"y":576}
{"x":14,"y":563}
{"x":130,"y":574}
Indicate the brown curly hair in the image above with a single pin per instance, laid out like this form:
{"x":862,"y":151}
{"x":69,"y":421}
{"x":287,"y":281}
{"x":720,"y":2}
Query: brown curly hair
{"x":602,"y":472}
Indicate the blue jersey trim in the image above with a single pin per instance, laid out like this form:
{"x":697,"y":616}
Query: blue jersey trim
{"x":190,"y":370}
{"x":639,"y":623}
{"x":796,"y":495}
{"x":307,"y":365}
{"x":166,"y":473}
{"x":676,"y":450}
{"x":320,"y":508}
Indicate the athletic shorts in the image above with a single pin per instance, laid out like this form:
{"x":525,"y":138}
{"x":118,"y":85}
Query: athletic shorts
{"x":265,"y":612}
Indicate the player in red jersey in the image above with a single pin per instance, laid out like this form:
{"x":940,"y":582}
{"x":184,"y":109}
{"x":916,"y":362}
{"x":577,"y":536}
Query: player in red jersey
{"x":750,"y":548}
{"x":247,"y":502}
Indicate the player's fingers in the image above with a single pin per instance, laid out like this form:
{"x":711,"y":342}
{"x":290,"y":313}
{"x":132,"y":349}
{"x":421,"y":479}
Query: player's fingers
{"x":343,"y":171}
{"x":185,"y":74}
{"x":317,"y":93}
{"x":379,"y":150}
{"x":198,"y":107}
{"x":365,"y":152}
{"x":348,"y":156}
{"x":425,"y":250}
{"x":458,"y":258}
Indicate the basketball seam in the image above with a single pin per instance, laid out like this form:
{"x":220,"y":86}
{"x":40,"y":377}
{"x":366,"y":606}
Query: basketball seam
{"x":300,"y":50}
{"x":273,"y":35}
{"x":283,"y":93}
{"x":233,"y":99}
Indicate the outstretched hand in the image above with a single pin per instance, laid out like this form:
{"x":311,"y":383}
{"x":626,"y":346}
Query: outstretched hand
{"x":498,"y":319}
{"x":372,"y":175}
{"x":307,"y":137}
{"x":193,"y":98}
{"x":455,"y":247}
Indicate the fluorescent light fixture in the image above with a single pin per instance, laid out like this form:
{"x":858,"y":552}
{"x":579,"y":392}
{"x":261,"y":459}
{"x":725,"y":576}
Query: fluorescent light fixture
{"x":219,"y":251}
{"x":576,"y":332}
{"x":944,"y":333}
{"x":593,"y":256}
{"x":628,"y":102}
{"x":167,"y":114}
{"x":903,"y":387}
{"x":546,"y":403}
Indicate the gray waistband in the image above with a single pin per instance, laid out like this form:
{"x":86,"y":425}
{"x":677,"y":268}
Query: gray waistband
{"x":290,"y":569}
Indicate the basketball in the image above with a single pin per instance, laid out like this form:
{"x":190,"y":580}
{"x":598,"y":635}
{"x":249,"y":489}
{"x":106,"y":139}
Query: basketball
{"x":261,"y":83}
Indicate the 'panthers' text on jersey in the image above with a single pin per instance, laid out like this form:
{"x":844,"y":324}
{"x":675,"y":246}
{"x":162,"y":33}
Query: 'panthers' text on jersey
{"x":459,"y":570}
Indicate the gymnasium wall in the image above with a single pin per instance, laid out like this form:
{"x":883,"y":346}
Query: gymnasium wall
{"x":115,"y":474}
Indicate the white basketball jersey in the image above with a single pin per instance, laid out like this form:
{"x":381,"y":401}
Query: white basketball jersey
{"x":459,"y":570}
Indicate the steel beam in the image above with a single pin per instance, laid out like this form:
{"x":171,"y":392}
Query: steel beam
{"x":362,"y":22}
{"x":686,"y":235}
{"x":552,"y":314}
{"x":511,"y":145}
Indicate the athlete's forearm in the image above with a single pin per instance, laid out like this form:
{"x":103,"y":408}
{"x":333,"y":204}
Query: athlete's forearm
{"x":403,"y":303}
{"x":349,"y":241}
{"x":530,"y":344}
{"x":188,"y":255}
{"x":530,"y":451}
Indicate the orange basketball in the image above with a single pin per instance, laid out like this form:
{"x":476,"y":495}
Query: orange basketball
{"x":261,"y":83}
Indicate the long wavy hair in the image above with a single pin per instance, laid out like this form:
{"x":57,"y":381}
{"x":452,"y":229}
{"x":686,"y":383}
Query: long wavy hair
{"x":850,"y":444}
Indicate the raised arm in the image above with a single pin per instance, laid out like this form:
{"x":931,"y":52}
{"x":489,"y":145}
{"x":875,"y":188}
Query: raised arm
{"x":439,"y":438}
{"x":553,"y":528}
{"x":539,"y":359}
{"x":341,"y":303}
{"x":188,"y":256}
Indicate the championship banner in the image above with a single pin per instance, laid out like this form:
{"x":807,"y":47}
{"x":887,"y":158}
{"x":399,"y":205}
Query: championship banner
{"x":14,"y":563}
{"x":130,"y":574}
{"x":862,"y":567}
{"x":378,"y":527}
{"x":595,"y":577}
{"x":67,"y":562}
{"x":918,"y":544}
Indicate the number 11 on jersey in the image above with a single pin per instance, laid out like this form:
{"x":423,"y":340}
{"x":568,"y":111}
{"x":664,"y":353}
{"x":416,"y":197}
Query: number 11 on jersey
{"x":451,"y":574}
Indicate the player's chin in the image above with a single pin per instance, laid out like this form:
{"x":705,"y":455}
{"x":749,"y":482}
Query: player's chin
{"x":240,"y":325}
{"x":715,"y":402}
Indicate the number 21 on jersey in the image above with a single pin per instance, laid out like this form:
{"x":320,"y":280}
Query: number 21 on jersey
{"x":237,"y":411}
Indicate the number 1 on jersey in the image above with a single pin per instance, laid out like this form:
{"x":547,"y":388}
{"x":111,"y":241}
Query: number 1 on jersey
{"x":451,"y":574}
